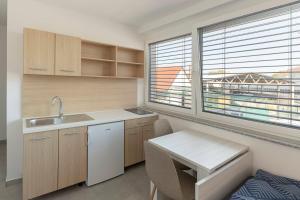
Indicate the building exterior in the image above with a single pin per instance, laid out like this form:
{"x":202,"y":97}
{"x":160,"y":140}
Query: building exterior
{"x":173,"y":86}
{"x":252,"y":95}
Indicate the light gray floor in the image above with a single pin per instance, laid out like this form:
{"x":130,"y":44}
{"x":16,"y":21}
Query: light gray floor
{"x":133,"y":185}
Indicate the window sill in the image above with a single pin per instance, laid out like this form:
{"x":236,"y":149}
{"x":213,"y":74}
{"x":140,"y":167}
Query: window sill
{"x":287,"y":141}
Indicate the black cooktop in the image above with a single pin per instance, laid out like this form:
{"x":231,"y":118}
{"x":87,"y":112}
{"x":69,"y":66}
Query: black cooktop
{"x":138,"y":111}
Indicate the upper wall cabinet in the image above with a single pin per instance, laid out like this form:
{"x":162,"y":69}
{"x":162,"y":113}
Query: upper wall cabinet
{"x":54,"y":54}
{"x":39,"y":51}
{"x":67,"y":56}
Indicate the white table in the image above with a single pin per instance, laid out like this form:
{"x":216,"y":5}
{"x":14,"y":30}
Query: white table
{"x":202,"y":152}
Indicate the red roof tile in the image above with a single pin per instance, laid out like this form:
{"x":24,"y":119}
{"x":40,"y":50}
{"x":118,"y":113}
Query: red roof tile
{"x":167,"y":75}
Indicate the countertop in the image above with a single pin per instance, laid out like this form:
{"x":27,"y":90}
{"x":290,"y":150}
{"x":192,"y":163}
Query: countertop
{"x":99,"y":117}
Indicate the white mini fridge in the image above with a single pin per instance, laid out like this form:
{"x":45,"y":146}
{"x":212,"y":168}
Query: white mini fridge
{"x":105,"y":152}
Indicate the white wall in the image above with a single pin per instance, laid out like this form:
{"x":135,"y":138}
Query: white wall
{"x":270,"y":156}
{"x":228,"y":11}
{"x":3,"y":32}
{"x":32,"y":13}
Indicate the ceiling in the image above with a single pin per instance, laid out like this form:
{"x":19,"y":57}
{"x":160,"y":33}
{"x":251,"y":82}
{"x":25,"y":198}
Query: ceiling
{"x":131,"y":12}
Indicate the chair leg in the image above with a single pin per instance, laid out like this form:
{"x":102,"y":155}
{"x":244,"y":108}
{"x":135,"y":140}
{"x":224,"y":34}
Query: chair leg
{"x":153,"y":192}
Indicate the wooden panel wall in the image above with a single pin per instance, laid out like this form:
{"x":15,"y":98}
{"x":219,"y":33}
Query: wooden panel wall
{"x":79,"y":94}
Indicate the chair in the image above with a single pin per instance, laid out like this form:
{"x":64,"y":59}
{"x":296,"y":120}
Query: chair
{"x":162,"y":127}
{"x":166,"y":178}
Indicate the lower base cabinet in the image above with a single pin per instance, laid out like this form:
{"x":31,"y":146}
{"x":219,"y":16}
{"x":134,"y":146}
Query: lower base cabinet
{"x":72,"y":165}
{"x":54,"y":160}
{"x":137,"y":131}
{"x":40,"y":164}
{"x":133,"y":146}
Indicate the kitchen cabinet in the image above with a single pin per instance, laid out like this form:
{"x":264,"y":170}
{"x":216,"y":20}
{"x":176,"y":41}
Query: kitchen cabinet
{"x":51,"y":54}
{"x":147,"y":133}
{"x":39,"y":52}
{"x":62,"y":55}
{"x":133,"y":146}
{"x":67,"y":56}
{"x":72,"y":166}
{"x":136,"y":132}
{"x":54,"y":160}
{"x":40,"y":163}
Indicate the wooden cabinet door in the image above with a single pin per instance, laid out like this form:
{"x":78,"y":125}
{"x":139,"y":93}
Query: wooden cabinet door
{"x":67,"y":56}
{"x":39,"y":51}
{"x":133,"y":146}
{"x":72,"y":156}
{"x":40,"y":163}
{"x":148,"y":133}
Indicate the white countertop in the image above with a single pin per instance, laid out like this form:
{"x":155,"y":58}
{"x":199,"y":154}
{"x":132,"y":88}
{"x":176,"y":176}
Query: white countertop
{"x":100,"y":117}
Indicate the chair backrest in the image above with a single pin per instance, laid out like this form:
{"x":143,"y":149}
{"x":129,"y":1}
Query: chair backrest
{"x":162,"y":172}
{"x":162,"y":127}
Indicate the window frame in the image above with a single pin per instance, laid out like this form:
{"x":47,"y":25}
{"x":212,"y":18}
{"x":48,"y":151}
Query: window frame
{"x":253,"y":129}
{"x":259,"y":125}
{"x":161,"y":106}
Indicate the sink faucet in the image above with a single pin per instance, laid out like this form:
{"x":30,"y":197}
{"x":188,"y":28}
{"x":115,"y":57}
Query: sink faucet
{"x":61,"y":109}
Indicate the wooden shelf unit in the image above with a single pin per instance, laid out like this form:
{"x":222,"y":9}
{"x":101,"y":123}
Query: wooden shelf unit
{"x":61,"y":55}
{"x":98,"y":60}
{"x":125,"y":70}
{"x":130,"y":55}
{"x":98,"y":51}
{"x":97,"y":68}
{"x":130,"y":63}
{"x":103,"y":60}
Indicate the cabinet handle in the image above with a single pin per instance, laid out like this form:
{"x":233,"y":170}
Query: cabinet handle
{"x":71,"y":133}
{"x":37,"y":69}
{"x":39,"y":139}
{"x":67,"y":70}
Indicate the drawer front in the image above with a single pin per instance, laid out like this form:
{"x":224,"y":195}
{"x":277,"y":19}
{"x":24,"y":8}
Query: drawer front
{"x":140,"y":122}
{"x":73,"y":131}
{"x":132,"y":123}
{"x":147,"y":120}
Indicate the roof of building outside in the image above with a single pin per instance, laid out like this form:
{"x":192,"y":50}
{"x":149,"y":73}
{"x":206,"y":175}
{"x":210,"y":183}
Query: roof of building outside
{"x":254,"y":78}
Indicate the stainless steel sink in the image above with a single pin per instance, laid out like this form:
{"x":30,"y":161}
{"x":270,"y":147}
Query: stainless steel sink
{"x":138,"y":111}
{"x":56,"y":120}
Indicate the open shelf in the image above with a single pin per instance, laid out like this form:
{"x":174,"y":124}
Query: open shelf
{"x":92,"y":50}
{"x":97,"y":59}
{"x":93,"y":76}
{"x":130,"y":63}
{"x":108,"y":61}
{"x":97,"y":68}
{"x":125,"y":70}
{"x":127,"y":55}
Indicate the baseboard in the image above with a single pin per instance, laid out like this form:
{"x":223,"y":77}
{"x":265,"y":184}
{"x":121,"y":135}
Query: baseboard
{"x":13,"y":182}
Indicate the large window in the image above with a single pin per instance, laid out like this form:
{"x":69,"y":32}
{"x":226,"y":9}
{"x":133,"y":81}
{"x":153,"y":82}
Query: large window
{"x":171,"y":72}
{"x":251,"y":67}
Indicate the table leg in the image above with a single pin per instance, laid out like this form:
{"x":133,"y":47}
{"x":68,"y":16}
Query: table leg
{"x":151,"y":189}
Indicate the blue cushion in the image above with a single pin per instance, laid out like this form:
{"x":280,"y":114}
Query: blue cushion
{"x":266,"y":186}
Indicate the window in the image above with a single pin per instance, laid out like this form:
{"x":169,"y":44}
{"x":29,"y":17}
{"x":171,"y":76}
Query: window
{"x":171,"y":72}
{"x":251,"y":67}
